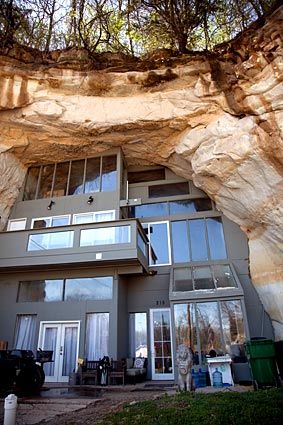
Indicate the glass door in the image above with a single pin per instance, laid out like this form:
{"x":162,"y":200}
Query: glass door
{"x":161,"y":344}
{"x":62,"y":339}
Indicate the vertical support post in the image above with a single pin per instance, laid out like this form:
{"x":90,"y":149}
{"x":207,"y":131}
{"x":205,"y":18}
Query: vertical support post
{"x":10,"y":409}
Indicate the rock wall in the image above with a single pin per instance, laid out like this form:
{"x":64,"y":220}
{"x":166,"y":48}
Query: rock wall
{"x":216,"y":118}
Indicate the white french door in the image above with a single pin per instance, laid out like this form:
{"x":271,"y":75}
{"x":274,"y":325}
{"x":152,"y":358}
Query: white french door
{"x":161,"y":344}
{"x":63,"y":339}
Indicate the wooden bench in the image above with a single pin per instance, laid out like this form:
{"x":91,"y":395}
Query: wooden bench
{"x":90,"y":371}
{"x":117,"y":370}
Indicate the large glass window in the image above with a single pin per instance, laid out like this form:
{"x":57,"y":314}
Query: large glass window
{"x":216,"y":238}
{"x":138,"y":335}
{"x":31,"y":183}
{"x":46,"y":179}
{"x":106,"y":236}
{"x":109,"y":173}
{"x":213,"y":277}
{"x":76,"y":184}
{"x":92,"y":288}
{"x":185,"y":327}
{"x":189,"y":206}
{"x":180,"y":242}
{"x":205,"y":326}
{"x":41,"y":290}
{"x":56,"y":240}
{"x":169,"y":189}
{"x":146,"y":176}
{"x":75,"y":289}
{"x":94,"y":217}
{"x":198,"y":240}
{"x":61,"y":179}
{"x":97,"y":336}
{"x":92,"y":178}
{"x":25,"y":332}
{"x":158,"y":236}
{"x":150,"y":210}
{"x":79,"y":176}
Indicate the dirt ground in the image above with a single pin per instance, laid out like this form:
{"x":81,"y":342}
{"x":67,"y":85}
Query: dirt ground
{"x":71,"y":410}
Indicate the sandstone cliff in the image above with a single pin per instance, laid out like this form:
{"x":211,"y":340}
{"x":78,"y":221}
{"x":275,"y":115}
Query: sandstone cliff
{"x":214,"y":118}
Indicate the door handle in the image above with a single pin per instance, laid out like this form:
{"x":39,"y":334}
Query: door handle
{"x":61,"y":350}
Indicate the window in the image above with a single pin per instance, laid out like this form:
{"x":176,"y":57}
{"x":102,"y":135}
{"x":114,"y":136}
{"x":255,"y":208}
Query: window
{"x":189,"y":206}
{"x":45,"y":241}
{"x":76,"y":185}
{"x":198,"y":240}
{"x":25,"y":332}
{"x":183,"y":207}
{"x":31,"y":183}
{"x":72,"y":178}
{"x":17,"y":224}
{"x":61,"y":179}
{"x":138,"y":335}
{"x":170,"y":189}
{"x":106,"y":236}
{"x":94,"y":217}
{"x":97,"y":336}
{"x":202,"y":278}
{"x":205,"y":326}
{"x":45,"y":182}
{"x":75,"y":289}
{"x":41,"y":290}
{"x":109,"y":174}
{"x":158,"y":235}
{"x":92,"y":288}
{"x":43,"y":222}
{"x":146,"y":176}
{"x":150,"y":210}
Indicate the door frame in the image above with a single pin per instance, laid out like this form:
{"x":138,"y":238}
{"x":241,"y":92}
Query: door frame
{"x":40,"y":343}
{"x":154,"y":375}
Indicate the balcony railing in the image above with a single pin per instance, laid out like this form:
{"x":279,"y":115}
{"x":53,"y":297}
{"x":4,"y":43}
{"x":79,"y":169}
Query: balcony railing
{"x":120,"y":242}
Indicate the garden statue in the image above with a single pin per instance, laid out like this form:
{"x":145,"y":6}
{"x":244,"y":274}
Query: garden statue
{"x":184,"y":363}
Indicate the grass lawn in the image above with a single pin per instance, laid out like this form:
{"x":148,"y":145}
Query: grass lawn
{"x":256,"y":408}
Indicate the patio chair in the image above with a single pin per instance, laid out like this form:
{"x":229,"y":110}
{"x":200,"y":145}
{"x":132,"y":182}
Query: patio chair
{"x":136,"y":369}
{"x":117,"y":371}
{"x":90,"y":371}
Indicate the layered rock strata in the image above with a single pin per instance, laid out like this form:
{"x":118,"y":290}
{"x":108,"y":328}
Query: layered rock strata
{"x":214,"y":118}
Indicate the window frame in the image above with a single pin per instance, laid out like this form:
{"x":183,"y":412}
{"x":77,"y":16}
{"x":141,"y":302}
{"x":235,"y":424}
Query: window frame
{"x":94,"y":213}
{"x":14,"y":220}
{"x":50,"y":217}
{"x":148,"y":224}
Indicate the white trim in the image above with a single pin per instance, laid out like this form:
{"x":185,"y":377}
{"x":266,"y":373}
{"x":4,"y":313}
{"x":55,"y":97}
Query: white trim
{"x":61,"y":325}
{"x":155,"y":375}
{"x":50,"y":218}
{"x":94,"y":214}
{"x":14,"y":220}
{"x":148,"y":224}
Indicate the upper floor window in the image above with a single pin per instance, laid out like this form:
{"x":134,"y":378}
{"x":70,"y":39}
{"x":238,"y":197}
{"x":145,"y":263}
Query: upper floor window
{"x":182,"y":207}
{"x":17,"y":224}
{"x":146,"y":176}
{"x":72,"y":178}
{"x":198,"y":240}
{"x":158,"y":236}
{"x":170,"y":189}
{"x":43,"y":222}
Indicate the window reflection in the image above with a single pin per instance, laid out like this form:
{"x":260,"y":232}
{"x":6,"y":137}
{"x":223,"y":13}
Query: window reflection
{"x":180,"y":241}
{"x":185,"y":326}
{"x":233,"y":327}
{"x":203,"y":278}
{"x":209,"y":327}
{"x":61,"y":179}
{"x":198,"y":240}
{"x":150,"y":210}
{"x":31,"y":183}
{"x":170,"y":189}
{"x":46,"y":179}
{"x":41,"y":290}
{"x":109,"y":173}
{"x":216,"y":238}
{"x":92,"y":178}
{"x":138,"y":335}
{"x":76,"y":186}
{"x":157,"y":234}
{"x":106,"y":236}
{"x":99,"y":288}
{"x":56,"y":240}
{"x":189,"y":206}
{"x":183,"y":279}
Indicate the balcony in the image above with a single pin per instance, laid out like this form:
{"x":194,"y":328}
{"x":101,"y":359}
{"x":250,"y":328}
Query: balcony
{"x":117,"y":243}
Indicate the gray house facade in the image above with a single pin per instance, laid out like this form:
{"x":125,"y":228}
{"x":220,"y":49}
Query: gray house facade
{"x":99,"y":258}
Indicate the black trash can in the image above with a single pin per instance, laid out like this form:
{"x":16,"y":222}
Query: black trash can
{"x":279,"y":356}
